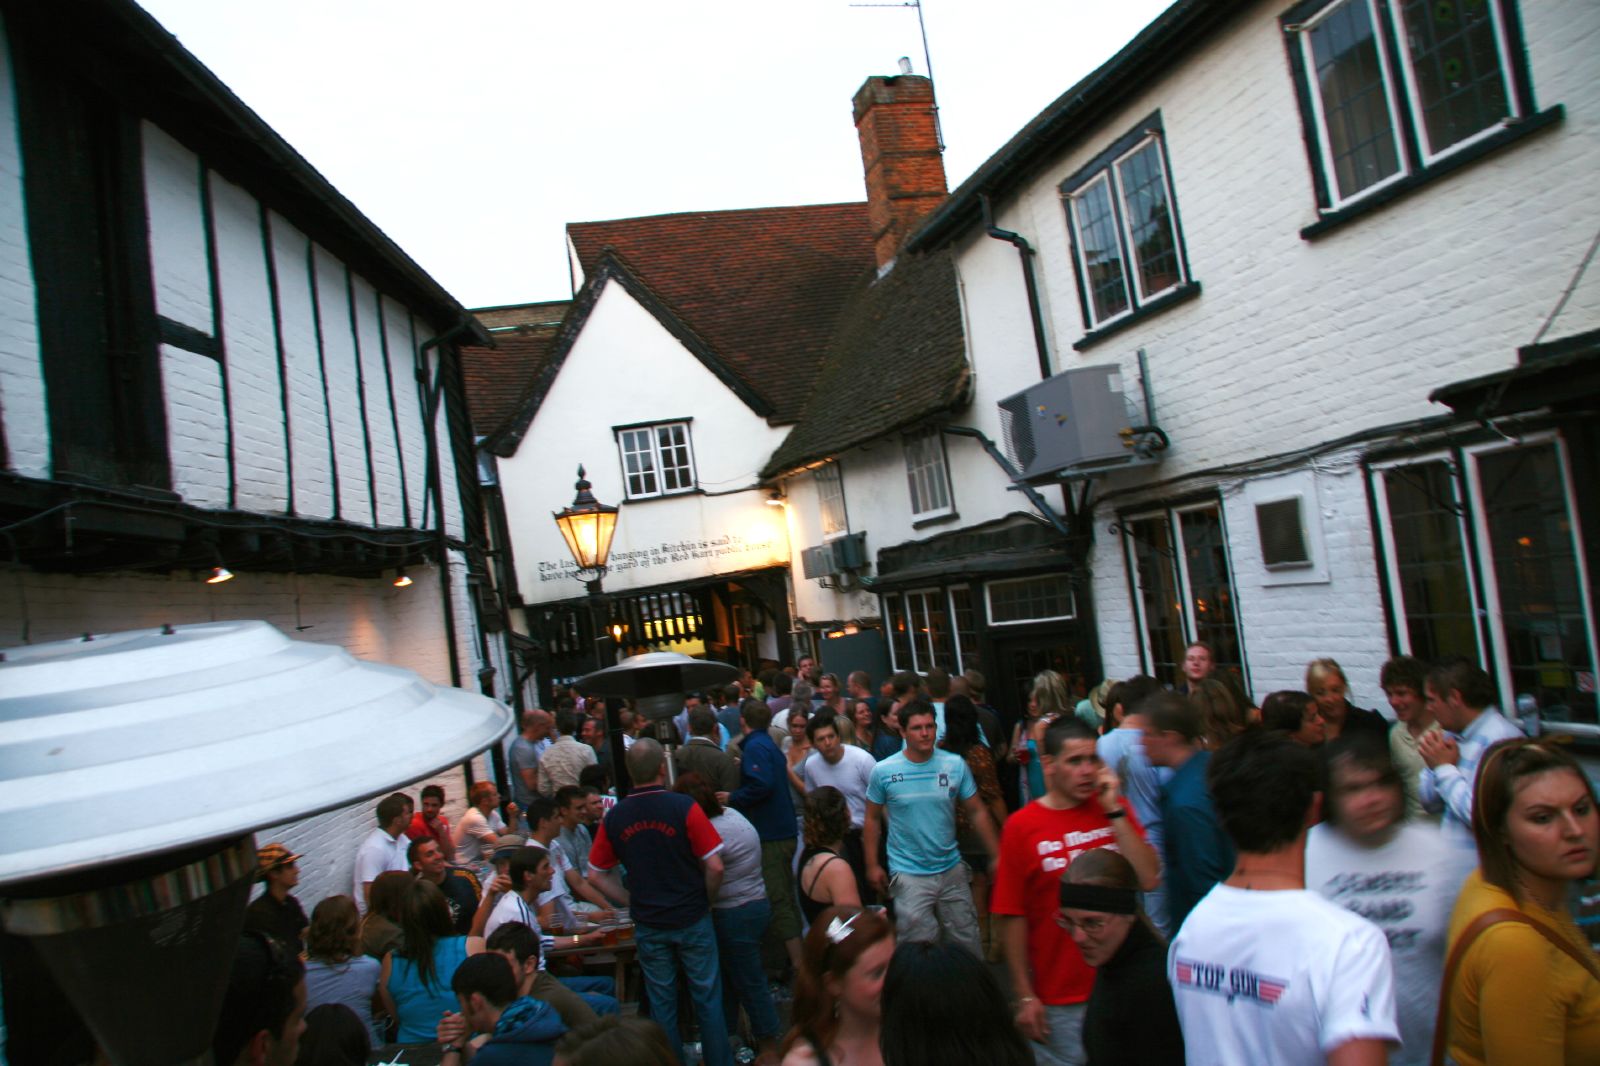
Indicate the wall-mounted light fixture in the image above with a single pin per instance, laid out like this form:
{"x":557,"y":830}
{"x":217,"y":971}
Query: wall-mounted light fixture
{"x":401,"y":581}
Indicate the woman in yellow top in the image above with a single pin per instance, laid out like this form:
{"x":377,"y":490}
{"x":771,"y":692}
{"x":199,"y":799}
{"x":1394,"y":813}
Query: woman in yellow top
{"x":1517,"y":998}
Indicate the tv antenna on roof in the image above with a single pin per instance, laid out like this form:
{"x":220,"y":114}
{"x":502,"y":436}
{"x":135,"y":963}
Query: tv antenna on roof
{"x":927,"y":61}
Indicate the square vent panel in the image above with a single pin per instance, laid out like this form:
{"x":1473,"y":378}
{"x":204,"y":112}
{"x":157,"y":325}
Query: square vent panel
{"x":1282,"y":529}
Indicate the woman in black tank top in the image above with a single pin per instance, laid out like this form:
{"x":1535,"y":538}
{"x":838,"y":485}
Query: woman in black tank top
{"x":826,"y":879}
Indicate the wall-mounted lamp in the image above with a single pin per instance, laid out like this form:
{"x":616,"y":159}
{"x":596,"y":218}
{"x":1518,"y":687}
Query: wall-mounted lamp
{"x":775,"y":498}
{"x":219,"y":572}
{"x":401,"y":581}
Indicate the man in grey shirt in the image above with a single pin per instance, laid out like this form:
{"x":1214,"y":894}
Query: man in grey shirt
{"x":524,"y":756}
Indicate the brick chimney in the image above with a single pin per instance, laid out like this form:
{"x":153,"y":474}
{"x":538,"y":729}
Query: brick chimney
{"x":900,"y":154}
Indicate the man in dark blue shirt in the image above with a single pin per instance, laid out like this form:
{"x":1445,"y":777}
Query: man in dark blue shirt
{"x":1196,"y":852}
{"x":763,"y":797}
{"x":674,"y":870}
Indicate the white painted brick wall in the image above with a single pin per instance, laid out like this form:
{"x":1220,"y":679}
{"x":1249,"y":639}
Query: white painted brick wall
{"x":177,"y":230}
{"x":308,"y":409}
{"x":22,"y":395}
{"x":1284,"y":627}
{"x":1294,"y":343}
{"x":447,"y":459}
{"x":255,"y":390}
{"x":380,"y":418}
{"x":413,"y":436}
{"x":367,"y":617}
{"x":339,"y":358}
{"x":197,"y":426}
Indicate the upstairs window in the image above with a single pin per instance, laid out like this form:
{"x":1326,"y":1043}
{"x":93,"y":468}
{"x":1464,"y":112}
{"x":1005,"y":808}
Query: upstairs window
{"x":1390,"y":87}
{"x":830,"y":500}
{"x":657,"y":459}
{"x":1127,"y":248}
{"x":927,"y":474}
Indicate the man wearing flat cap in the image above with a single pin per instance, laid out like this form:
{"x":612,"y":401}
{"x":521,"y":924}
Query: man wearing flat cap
{"x":276,"y":912}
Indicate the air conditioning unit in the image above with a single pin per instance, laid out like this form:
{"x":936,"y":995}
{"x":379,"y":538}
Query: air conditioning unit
{"x":840,"y":555}
{"x":850,"y":551}
{"x":818,"y":562}
{"x":1076,"y":422}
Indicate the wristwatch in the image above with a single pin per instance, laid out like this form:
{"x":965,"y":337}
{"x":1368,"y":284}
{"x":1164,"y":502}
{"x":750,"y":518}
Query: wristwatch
{"x":1113,"y":815}
{"x":448,"y":1049}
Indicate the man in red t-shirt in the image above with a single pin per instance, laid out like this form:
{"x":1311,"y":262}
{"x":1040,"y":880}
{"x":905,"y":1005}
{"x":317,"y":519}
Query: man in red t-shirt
{"x":429,"y":824}
{"x":1082,"y":809}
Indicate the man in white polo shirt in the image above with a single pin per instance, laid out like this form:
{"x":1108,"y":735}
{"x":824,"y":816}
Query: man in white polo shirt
{"x":385,"y":847}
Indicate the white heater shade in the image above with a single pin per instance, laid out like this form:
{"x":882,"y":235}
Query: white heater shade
{"x":136,"y":743}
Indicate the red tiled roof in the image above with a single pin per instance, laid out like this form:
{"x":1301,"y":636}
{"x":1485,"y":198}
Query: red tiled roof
{"x":761,"y":287}
{"x":498,"y":378}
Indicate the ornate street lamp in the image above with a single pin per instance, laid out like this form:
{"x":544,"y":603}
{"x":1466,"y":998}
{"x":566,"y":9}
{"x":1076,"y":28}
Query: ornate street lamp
{"x":587,"y":526}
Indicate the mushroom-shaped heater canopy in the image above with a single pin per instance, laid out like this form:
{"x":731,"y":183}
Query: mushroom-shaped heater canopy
{"x":129,"y":744}
{"x":135,"y":766}
{"x":657,"y":674}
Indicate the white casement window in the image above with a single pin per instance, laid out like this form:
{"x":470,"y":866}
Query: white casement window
{"x":1483,"y":558}
{"x":1126,"y":246}
{"x":1182,"y":581}
{"x":927,"y":474}
{"x":830,"y":500}
{"x":1030,"y":599}
{"x":1391,"y":86}
{"x":656,"y":460}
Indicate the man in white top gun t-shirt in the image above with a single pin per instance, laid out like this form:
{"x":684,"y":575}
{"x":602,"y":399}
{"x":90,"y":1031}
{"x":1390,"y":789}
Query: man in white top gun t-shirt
{"x":1264,"y":971}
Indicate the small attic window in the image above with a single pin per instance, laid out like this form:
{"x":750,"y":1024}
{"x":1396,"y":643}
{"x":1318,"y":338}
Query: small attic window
{"x":1283,"y":534}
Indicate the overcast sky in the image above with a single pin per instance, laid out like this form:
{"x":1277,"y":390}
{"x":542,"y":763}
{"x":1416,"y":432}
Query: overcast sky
{"x":472,"y":131}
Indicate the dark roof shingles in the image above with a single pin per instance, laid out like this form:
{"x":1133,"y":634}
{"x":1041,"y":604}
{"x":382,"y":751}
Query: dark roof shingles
{"x":898,"y":357}
{"x":762,"y":287}
{"x":498,"y":378}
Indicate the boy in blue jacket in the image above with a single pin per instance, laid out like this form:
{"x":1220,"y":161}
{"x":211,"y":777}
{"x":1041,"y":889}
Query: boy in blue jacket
{"x":511,"y":1031}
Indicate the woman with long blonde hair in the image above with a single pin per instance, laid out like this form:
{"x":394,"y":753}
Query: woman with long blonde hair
{"x":1047,"y":701}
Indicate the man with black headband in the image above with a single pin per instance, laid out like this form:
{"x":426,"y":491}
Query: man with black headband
{"x":1130,"y":1017}
{"x":1082,"y":810}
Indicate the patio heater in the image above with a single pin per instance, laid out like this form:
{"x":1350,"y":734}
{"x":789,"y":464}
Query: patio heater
{"x":656,"y":681}
{"x":135,"y":768}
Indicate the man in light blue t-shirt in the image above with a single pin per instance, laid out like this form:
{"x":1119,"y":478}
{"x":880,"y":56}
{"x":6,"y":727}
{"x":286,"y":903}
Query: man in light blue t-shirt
{"x":918,"y":788}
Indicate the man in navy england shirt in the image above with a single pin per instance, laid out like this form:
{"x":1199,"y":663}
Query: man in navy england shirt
{"x":674,"y":870}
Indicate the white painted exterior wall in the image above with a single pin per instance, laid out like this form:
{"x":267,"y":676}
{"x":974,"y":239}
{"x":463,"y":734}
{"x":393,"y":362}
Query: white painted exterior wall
{"x":1296,"y":343}
{"x":326,"y":428}
{"x":625,"y":368}
{"x":1291,"y":344}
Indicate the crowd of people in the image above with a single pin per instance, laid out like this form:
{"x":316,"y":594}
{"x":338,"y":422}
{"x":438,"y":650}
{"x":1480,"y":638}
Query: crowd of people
{"x":819,"y":871}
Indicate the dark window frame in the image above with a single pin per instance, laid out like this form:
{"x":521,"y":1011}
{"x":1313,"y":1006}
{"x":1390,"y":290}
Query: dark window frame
{"x":1103,"y":165}
{"x":1416,"y":168}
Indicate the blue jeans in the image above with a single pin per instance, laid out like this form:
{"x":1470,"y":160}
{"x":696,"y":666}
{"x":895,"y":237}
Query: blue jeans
{"x":661,"y":952}
{"x":739,"y":931}
{"x":598,"y":992}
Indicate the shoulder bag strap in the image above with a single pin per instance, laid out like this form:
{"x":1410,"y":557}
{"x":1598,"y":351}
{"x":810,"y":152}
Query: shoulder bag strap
{"x":1590,"y":964}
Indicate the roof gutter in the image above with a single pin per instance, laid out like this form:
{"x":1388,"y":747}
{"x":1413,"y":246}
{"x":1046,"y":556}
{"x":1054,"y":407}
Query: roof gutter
{"x":1025,"y":251}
